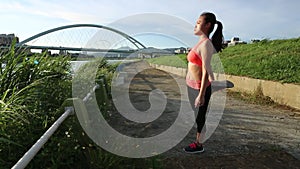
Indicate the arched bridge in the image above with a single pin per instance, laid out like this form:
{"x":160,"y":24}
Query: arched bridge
{"x":85,"y":37}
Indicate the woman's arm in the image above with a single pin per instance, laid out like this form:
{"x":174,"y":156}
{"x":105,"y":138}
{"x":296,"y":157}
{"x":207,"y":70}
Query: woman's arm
{"x":206,"y":52}
{"x":204,"y":81}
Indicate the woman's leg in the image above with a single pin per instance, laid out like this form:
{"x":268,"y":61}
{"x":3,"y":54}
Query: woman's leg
{"x":201,"y":117}
{"x":200,"y":113}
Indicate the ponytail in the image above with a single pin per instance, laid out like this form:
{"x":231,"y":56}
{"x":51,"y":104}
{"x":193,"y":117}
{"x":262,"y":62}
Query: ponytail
{"x":217,"y":38}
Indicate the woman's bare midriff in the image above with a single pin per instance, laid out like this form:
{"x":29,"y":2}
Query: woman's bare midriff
{"x":194,"y":72}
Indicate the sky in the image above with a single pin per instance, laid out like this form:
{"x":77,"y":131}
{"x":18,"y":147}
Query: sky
{"x":255,"y":19}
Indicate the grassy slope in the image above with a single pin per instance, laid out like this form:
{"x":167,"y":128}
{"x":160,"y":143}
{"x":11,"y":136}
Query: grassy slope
{"x":277,"y":60}
{"x":174,"y":60}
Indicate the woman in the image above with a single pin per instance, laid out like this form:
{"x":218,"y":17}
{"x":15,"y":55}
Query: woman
{"x":200,"y":75}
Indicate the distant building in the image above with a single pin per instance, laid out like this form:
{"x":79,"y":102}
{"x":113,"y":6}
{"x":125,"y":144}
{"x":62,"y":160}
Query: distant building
{"x":7,"y":39}
{"x":255,"y":40}
{"x":235,"y":41}
{"x":225,"y":43}
{"x":181,"y":50}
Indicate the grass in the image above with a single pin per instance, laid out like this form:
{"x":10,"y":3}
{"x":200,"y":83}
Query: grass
{"x":173,"y":60}
{"x":276,"y":60}
{"x":33,"y":86}
{"x":31,"y":94}
{"x":259,"y":99}
{"x":33,"y":91}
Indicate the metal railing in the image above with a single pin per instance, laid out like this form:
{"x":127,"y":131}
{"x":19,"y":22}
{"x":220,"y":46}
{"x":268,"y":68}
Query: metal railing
{"x":29,"y":155}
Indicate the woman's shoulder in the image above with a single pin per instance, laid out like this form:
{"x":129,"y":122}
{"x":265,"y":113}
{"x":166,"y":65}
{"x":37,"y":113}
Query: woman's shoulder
{"x":206,"y":46}
{"x":205,"y":43}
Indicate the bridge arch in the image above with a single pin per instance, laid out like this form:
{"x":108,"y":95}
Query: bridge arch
{"x":135,"y":42}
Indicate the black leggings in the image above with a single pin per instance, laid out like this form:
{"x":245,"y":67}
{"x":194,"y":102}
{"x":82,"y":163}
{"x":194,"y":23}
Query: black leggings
{"x":201,"y":115}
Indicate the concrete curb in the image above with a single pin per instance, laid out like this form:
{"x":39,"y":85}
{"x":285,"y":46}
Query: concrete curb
{"x":177,"y":71}
{"x":282,"y":93}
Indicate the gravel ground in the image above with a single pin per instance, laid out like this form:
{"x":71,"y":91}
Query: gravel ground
{"x":248,"y":135}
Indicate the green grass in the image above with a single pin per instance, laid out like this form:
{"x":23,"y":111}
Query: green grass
{"x":33,"y":91}
{"x":173,"y":60}
{"x":33,"y":86}
{"x":276,"y":60}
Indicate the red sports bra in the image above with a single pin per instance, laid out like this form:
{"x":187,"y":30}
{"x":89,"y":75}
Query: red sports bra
{"x":195,"y":58}
{"x":193,"y":55}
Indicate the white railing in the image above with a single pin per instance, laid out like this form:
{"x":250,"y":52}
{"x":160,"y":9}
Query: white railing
{"x":29,"y":155}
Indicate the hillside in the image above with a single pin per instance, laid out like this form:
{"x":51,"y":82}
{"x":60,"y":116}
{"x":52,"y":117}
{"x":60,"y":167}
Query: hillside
{"x":277,"y":60}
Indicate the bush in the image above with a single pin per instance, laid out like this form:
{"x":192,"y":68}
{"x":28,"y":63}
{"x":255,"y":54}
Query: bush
{"x":33,"y":87}
{"x":33,"y":90}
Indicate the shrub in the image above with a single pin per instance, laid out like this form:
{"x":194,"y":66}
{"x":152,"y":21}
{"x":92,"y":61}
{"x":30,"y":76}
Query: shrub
{"x":33,"y":87}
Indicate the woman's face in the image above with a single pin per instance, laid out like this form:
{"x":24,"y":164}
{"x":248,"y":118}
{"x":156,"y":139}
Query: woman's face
{"x":201,"y":27}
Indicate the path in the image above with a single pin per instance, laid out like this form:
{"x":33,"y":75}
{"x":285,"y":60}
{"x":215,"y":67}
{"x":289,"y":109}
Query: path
{"x":248,"y":136}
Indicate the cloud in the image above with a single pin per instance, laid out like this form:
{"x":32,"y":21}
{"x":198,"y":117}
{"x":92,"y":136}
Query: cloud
{"x":156,"y":23}
{"x":247,"y":19}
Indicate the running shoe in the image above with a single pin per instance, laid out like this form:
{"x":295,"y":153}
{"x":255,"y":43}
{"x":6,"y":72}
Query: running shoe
{"x":194,"y":148}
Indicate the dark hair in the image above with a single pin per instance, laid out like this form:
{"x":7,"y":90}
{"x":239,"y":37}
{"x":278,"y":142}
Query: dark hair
{"x":217,"y":38}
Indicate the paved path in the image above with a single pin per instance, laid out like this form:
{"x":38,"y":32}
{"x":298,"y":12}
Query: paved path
{"x":248,"y":136}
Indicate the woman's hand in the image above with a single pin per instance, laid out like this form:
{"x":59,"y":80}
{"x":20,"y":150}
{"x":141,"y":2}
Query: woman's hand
{"x":211,"y":78}
{"x":199,"y":101}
